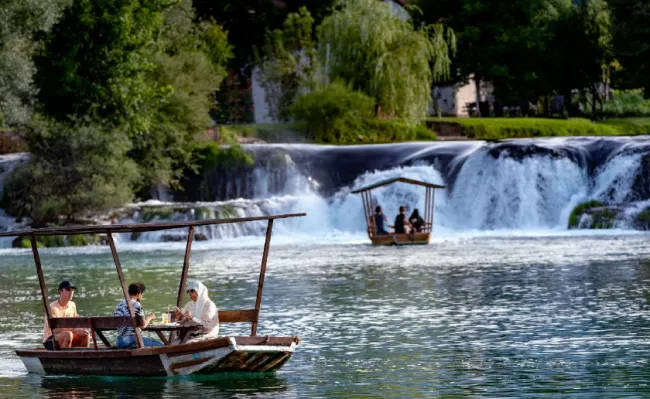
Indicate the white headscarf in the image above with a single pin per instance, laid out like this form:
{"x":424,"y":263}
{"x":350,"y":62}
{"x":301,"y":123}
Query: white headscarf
{"x":203,"y":298}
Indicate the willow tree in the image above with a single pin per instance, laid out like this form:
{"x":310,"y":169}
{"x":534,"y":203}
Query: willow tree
{"x":367,"y":45}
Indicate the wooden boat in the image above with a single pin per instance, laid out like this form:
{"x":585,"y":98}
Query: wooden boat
{"x":219,"y":355}
{"x":417,"y":238}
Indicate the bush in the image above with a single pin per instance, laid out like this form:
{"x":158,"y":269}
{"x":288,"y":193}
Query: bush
{"x":574,"y":218}
{"x":627,"y":103}
{"x":325,"y":108}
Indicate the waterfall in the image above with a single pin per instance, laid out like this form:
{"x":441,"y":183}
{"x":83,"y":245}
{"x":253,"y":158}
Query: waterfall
{"x":514,"y":185}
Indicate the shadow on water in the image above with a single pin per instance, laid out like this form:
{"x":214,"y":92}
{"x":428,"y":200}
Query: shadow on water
{"x":221,"y":386}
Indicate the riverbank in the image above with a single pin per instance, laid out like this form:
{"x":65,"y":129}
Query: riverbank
{"x":506,"y":128}
{"x":446,"y":129}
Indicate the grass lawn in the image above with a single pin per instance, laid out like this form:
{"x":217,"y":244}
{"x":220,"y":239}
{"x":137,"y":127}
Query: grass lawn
{"x":503,"y":128}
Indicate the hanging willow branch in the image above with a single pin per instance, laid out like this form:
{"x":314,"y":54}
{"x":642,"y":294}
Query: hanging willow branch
{"x":367,"y":45}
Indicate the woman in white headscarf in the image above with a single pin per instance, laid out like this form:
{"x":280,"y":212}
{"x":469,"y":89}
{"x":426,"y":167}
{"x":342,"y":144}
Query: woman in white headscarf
{"x":199,"y":310}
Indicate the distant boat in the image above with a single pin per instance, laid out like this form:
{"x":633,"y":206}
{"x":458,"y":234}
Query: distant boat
{"x":212,"y":356}
{"x":422,"y":237}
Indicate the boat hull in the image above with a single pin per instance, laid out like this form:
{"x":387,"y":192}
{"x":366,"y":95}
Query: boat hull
{"x":220,"y":355}
{"x":402,"y":239}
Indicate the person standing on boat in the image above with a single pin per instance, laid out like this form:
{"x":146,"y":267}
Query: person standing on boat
{"x":402,"y":224}
{"x":200,"y":310}
{"x":64,"y":307}
{"x":126,"y":335}
{"x":380,"y":218}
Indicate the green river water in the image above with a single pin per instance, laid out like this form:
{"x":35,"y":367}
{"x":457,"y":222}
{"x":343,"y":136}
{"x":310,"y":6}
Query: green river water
{"x":482,"y":316}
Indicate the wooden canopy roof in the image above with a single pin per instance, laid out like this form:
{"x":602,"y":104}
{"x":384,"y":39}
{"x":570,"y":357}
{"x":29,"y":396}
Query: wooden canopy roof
{"x":398,"y":179}
{"x":128,"y":228}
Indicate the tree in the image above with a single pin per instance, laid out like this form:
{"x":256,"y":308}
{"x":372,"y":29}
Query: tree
{"x":142,"y":66}
{"x":631,"y":39}
{"x":20,"y":21}
{"x":366,"y":45}
{"x":75,"y":169}
{"x":289,"y":63}
{"x":189,"y":64}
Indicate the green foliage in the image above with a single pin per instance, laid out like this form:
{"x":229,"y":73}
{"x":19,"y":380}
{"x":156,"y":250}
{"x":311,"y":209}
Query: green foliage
{"x":323,"y":108}
{"x":189,"y":66}
{"x":78,"y":240}
{"x":631,"y":35}
{"x":144,"y":67}
{"x":642,"y":219}
{"x":366,"y":44}
{"x":149,"y":214}
{"x":579,"y":210}
{"x":75,"y":168}
{"x":504,"y":128}
{"x":627,"y":103}
{"x":289,"y":63}
{"x":94,"y":61}
{"x":212,"y":157}
{"x":20,"y":20}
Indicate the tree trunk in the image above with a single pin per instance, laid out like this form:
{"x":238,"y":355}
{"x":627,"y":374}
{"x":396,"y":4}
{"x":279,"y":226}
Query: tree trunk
{"x":477,"y":83}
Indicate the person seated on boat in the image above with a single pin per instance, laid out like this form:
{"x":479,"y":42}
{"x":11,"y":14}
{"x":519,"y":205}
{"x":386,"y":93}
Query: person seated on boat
{"x":126,"y":334}
{"x":416,"y":220}
{"x":379,"y":219}
{"x":402,"y":224}
{"x":64,"y":307}
{"x":201,"y":310}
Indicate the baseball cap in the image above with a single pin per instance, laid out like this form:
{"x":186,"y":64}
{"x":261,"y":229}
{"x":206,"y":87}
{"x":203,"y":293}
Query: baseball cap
{"x":66,"y":284}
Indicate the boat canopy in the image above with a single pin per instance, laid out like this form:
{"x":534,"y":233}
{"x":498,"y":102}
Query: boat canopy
{"x":136,"y":227}
{"x":246,"y":315}
{"x":395,"y":180}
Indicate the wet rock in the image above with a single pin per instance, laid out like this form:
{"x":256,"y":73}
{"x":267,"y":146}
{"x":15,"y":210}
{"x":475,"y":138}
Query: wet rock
{"x":200,"y":237}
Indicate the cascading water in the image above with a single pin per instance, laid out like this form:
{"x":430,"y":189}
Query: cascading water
{"x":518,"y":185}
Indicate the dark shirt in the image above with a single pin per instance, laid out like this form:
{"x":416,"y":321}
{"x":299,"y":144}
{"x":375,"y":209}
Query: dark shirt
{"x":399,"y":224}
{"x":418,"y":223}
{"x":379,"y":223}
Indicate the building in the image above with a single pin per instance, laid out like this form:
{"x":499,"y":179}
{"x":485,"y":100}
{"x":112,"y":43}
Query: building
{"x":459,"y":99}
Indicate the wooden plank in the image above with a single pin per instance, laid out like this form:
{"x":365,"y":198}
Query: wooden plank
{"x":116,"y":260}
{"x":260,"y":285}
{"x":103,"y":338}
{"x":76,"y":353}
{"x":186,"y":266}
{"x":402,"y":239}
{"x":41,"y":282}
{"x":150,"y":366}
{"x":139,"y":227}
{"x":237,"y":316}
{"x":99,"y":322}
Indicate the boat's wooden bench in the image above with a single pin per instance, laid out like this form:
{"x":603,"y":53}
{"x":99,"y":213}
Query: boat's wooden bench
{"x":98,"y":324}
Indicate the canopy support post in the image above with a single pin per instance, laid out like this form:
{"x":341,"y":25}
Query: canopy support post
{"x":427,"y":194}
{"x":260,"y":285}
{"x":186,"y":267}
{"x":433,"y":206}
{"x":127,"y":298}
{"x":41,"y":282}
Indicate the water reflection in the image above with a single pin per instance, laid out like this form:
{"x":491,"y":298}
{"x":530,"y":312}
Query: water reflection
{"x":230,"y":386}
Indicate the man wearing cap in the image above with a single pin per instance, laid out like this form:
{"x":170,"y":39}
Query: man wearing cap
{"x":64,"y":307}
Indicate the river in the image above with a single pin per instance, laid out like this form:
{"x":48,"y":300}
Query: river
{"x":490,"y":314}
